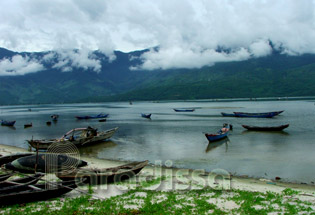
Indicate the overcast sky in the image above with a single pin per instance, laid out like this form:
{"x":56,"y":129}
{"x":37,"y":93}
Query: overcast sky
{"x":188,"y":32}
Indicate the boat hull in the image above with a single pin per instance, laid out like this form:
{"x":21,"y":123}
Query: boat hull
{"x":184,"y":110}
{"x":216,"y":137}
{"x":273,"y":128}
{"x":104,"y":176}
{"x":101,"y":136}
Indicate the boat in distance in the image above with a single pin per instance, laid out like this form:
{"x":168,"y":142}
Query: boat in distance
{"x":148,"y":116}
{"x":101,"y":115}
{"x":7,"y":123}
{"x":184,"y":110}
{"x":96,"y":176}
{"x":253,"y":115}
{"x":265,"y":128}
{"x":77,"y":136}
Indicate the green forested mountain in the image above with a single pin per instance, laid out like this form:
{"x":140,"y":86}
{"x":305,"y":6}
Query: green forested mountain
{"x":274,"y":75}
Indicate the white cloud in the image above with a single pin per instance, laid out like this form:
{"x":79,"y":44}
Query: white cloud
{"x":69,"y":59}
{"x":183,"y":29}
{"x":19,"y":65}
{"x":260,"y":48}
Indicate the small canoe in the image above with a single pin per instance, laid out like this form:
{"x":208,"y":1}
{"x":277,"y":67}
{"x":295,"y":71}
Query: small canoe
{"x":102,"y":120}
{"x":28,"y":125}
{"x":93,"y":117}
{"x":148,"y":116}
{"x":265,"y":128}
{"x":7,"y":123}
{"x":258,"y":115}
{"x":228,"y":114}
{"x":19,"y":183}
{"x":184,"y":110}
{"x":10,"y":158}
{"x":221,"y":134}
{"x":104,"y":176}
{"x":5,"y":176}
{"x":38,"y":192}
{"x":215,"y":137}
{"x":59,"y":162}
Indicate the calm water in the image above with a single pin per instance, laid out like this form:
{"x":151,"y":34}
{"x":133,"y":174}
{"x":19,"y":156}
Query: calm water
{"x":179,"y":136}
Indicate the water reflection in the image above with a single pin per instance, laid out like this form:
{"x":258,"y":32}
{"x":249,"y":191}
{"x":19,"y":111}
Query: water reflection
{"x":95,"y":148}
{"x":213,"y":145}
{"x":284,"y":133}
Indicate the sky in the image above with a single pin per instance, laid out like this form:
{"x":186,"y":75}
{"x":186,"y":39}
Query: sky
{"x":187,"y":32}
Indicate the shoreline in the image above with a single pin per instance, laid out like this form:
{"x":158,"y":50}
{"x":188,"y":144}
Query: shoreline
{"x":160,"y":190}
{"x":236,"y":182}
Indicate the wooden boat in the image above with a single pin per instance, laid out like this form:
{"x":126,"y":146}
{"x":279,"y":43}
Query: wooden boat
{"x":228,"y":114}
{"x":77,"y":136}
{"x":222,"y":133}
{"x":19,"y":183}
{"x":10,"y":158}
{"x":258,"y":115}
{"x":38,"y":192}
{"x":93,"y":117}
{"x":102,"y":120}
{"x":28,"y":125}
{"x":58,"y":162}
{"x":184,"y":110}
{"x":5,"y":176}
{"x":148,"y":116}
{"x":7,"y":123}
{"x":104,"y":176}
{"x":265,"y":128}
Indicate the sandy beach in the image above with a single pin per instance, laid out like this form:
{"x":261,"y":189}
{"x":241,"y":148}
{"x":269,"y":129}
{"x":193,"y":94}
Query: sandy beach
{"x":179,"y":180}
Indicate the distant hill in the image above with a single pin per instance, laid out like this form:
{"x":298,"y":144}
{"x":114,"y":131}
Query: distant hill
{"x":274,"y":75}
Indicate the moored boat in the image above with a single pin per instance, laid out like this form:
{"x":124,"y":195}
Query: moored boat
{"x":148,"y":116}
{"x":93,"y":117}
{"x":104,"y":176}
{"x":28,"y":125}
{"x":41,"y":163}
{"x":222,"y":133}
{"x":10,"y":158}
{"x":7,"y":123}
{"x":266,"y":128}
{"x":258,"y":115}
{"x":228,"y":114}
{"x":184,"y":110}
{"x":38,"y":192}
{"x":77,"y":136}
{"x":19,"y":183}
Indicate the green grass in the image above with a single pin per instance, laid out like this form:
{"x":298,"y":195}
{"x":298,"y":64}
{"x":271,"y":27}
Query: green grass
{"x":144,"y":201}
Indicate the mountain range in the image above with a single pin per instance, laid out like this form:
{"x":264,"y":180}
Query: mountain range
{"x":274,"y":75}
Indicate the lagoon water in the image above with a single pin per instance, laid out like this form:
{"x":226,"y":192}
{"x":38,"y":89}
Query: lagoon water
{"x":179,"y":137}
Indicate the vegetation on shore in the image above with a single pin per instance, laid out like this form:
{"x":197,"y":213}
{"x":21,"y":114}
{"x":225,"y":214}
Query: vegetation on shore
{"x":142,"y":200}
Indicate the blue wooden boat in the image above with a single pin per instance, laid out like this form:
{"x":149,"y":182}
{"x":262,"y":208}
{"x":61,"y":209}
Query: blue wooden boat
{"x":222,"y":133}
{"x":258,"y":115}
{"x":7,"y":123}
{"x":215,"y":137}
{"x":148,"y":116}
{"x":93,"y":117}
{"x":184,"y":110}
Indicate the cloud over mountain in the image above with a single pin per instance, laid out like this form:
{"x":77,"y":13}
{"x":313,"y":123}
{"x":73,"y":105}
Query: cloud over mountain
{"x":187,"y":33}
